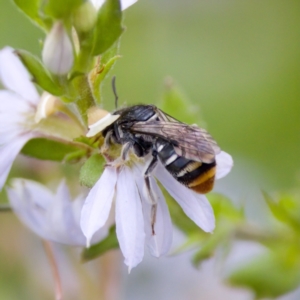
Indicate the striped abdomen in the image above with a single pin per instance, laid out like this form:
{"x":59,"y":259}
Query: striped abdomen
{"x":195,"y":175}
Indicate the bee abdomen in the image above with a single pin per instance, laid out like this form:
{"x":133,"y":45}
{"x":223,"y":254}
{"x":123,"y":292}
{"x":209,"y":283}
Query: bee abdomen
{"x":201,"y":178}
{"x":195,"y":175}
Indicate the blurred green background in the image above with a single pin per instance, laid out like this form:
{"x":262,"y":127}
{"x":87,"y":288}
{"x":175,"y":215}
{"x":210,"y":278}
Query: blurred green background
{"x":239,"y":61}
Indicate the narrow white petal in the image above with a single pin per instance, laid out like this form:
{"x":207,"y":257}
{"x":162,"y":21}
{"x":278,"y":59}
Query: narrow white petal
{"x":101,"y":124}
{"x":98,"y":203}
{"x":126,"y":3}
{"x":98,"y":3}
{"x":224,"y":164}
{"x":195,"y":206}
{"x":8,"y":154}
{"x":30,"y":201}
{"x":63,"y":227}
{"x":160,"y":243}
{"x":15,"y":77}
{"x":129,"y":219}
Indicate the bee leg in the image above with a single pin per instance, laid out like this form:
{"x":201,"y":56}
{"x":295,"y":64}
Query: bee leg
{"x":152,"y":197}
{"x":125,"y":151}
{"x":106,"y":143}
{"x":123,"y":157}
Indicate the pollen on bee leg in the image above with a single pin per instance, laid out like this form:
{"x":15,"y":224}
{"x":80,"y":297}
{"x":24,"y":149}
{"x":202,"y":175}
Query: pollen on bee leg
{"x":98,"y":120}
{"x":48,"y":105}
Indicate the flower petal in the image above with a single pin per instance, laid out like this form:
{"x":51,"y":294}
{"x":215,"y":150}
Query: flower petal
{"x":13,"y":103}
{"x":98,"y":3}
{"x":160,"y":243}
{"x":8,"y":154}
{"x":30,"y":201}
{"x":62,"y":225}
{"x":15,"y":77}
{"x":129,"y":219}
{"x":224,"y":164}
{"x":96,"y":208}
{"x":124,"y":3}
{"x":195,"y":206}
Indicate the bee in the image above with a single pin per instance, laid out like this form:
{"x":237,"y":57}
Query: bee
{"x":186,"y":151}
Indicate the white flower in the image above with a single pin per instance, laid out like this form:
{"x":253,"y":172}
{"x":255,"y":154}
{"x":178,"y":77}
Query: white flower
{"x":57,"y":53}
{"x":52,"y":216}
{"x":17,"y":109}
{"x":126,"y":186}
{"x":22,"y":109}
{"x":124,"y":3}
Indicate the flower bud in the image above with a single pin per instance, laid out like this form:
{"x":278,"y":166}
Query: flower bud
{"x":57,"y":53}
{"x":85,"y":17}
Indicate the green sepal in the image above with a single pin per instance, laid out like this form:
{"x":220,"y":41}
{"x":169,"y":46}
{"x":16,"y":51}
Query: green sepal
{"x":75,"y":156}
{"x":31,"y":8}
{"x":175,"y":103}
{"x":46,"y":149}
{"x":108,"y":26}
{"x":91,"y":142}
{"x":98,"y":75}
{"x":109,"y":243}
{"x":60,"y":9}
{"x":91,"y":170}
{"x":268,"y":275}
{"x":40,"y":74}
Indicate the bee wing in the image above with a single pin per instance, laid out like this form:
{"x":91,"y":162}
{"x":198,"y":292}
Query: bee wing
{"x":190,"y":142}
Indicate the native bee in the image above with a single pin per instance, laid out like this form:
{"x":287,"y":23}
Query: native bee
{"x":186,"y":151}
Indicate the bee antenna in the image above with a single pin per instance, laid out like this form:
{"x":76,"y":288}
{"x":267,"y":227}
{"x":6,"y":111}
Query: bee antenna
{"x":113,"y":83}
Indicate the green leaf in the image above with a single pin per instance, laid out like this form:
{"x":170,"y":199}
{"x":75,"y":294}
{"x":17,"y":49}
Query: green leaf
{"x":224,"y":208}
{"x":31,"y":9}
{"x":110,"y":242}
{"x":61,"y":9}
{"x":176,"y":104}
{"x":285,"y":211}
{"x":267,"y":275}
{"x":40,"y":74}
{"x":92,"y":170}
{"x":108,"y":27}
{"x":45,"y":149}
{"x":208,"y":246}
